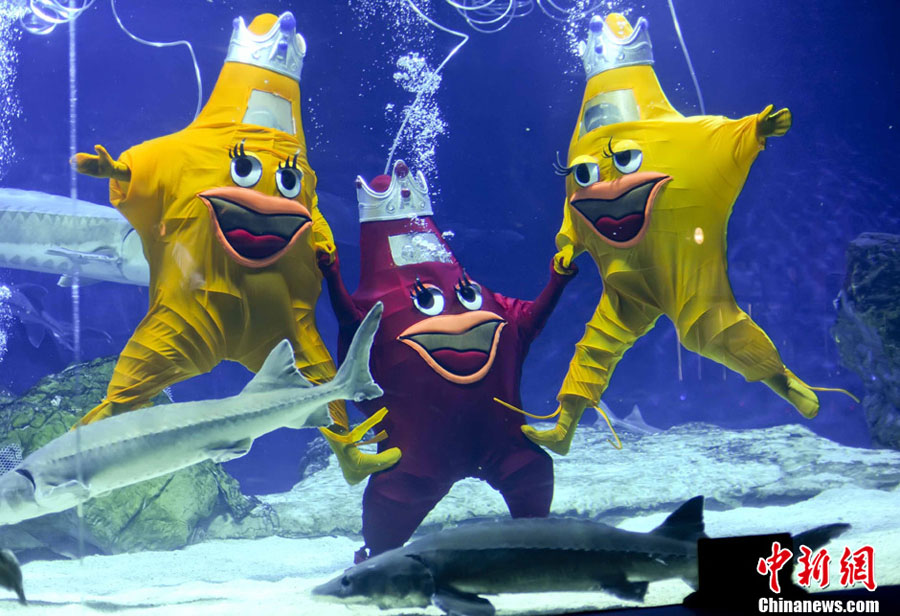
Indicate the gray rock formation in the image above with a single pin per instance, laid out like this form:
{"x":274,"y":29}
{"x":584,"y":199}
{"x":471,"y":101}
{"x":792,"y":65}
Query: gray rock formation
{"x":164,"y":513}
{"x":868,"y":329}
{"x":315,"y":458}
{"x":651,"y":474}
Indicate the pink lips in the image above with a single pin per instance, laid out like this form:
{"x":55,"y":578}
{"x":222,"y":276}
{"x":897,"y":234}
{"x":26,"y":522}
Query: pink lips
{"x":255,"y":246}
{"x":253,"y":228}
{"x":461,"y":362}
{"x":619,"y":210}
{"x":620,"y":230}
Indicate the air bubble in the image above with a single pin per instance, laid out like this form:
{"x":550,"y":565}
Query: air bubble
{"x":5,"y":318}
{"x":9,"y":57}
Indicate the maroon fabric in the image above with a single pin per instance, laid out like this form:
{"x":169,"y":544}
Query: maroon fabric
{"x":445,"y":430}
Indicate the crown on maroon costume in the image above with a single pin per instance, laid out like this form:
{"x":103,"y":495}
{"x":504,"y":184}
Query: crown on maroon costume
{"x":396,"y":227}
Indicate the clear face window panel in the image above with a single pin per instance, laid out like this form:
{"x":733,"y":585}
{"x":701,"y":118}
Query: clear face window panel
{"x":609,"y":108}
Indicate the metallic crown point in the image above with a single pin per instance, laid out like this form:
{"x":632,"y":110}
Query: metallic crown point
{"x":605,"y":49}
{"x":405,"y":197}
{"x":280,"y":49}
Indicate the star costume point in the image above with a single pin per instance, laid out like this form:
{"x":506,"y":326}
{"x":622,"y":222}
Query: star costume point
{"x":228,"y":216}
{"x":446,"y":348}
{"x":649,"y":194}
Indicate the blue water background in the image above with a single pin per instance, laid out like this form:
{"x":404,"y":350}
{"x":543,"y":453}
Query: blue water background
{"x":510,"y":101}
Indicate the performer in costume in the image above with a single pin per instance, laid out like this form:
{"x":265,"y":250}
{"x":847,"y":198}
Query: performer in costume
{"x":446,"y":348}
{"x":228,"y":216}
{"x":648,"y":196}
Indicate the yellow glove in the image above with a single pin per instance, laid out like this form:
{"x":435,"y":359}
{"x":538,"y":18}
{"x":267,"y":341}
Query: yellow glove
{"x":562,"y":261}
{"x":326,"y":252}
{"x":559,"y":438}
{"x":101,"y":166}
{"x":356,"y":465}
{"x":770,"y":124}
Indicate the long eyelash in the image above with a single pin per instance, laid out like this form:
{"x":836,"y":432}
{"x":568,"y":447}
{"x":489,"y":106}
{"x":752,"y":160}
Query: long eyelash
{"x":418,"y":289}
{"x":607,"y":150}
{"x":237,"y":149}
{"x":559,"y":168}
{"x":288,"y":162}
{"x":463,"y":282}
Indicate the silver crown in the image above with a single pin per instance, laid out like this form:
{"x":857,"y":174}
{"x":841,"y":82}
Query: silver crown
{"x":605,"y":50}
{"x":280,"y":49}
{"x":406,"y":197}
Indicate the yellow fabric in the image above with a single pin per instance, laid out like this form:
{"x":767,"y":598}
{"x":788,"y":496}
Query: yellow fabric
{"x":559,"y":438}
{"x":204,"y":306}
{"x":356,"y":465}
{"x":678,"y":268}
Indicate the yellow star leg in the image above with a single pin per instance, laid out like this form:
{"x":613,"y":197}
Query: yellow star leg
{"x":616,"y":325}
{"x":163,"y":350}
{"x":726,"y":334}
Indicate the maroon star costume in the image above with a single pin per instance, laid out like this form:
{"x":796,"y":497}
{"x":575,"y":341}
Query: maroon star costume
{"x":446,"y":347}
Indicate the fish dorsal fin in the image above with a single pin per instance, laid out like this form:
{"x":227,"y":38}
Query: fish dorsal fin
{"x":635,"y":416}
{"x":685,"y":523}
{"x":277,"y":372}
{"x":637,"y":420}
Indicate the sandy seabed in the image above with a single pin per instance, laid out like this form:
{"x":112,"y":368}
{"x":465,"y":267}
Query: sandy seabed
{"x":275,"y":575}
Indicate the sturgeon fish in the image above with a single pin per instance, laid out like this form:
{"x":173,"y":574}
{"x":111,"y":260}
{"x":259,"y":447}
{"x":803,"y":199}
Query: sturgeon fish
{"x":23,"y":302}
{"x":58,"y":235}
{"x":451,"y":568}
{"x":146,"y":443}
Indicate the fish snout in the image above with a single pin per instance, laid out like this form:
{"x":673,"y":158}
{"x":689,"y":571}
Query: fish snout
{"x":17,"y":497}
{"x":337,"y":589}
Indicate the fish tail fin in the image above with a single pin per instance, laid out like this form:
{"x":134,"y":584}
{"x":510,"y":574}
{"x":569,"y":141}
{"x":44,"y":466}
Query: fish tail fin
{"x":353,"y":378}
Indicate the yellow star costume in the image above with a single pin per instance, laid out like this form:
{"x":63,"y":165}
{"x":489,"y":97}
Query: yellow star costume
{"x":649,"y":193}
{"x":227,"y":212}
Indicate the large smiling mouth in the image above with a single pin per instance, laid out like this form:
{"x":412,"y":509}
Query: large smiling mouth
{"x":619,"y":211}
{"x":459,"y":347}
{"x":255,"y":229}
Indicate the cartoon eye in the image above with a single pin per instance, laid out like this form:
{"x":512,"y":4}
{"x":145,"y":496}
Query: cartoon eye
{"x":468,"y":293}
{"x":586,"y":174}
{"x":428,"y":300}
{"x":628,"y":161}
{"x":289,"y":177}
{"x":246,"y":169}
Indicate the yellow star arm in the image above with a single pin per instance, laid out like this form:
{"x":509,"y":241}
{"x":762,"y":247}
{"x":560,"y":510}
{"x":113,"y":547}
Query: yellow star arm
{"x":323,"y":238}
{"x":769,"y":124}
{"x":101,"y":165}
{"x":567,"y":245}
